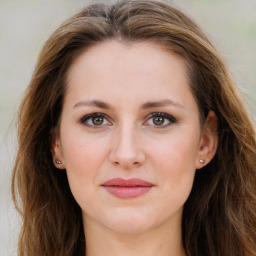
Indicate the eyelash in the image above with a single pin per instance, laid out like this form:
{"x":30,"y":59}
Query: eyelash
{"x":86,"y":118}
{"x":165,"y":116}
{"x":171,"y":120}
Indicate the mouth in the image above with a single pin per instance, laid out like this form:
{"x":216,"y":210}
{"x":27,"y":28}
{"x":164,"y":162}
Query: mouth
{"x":131,"y":188}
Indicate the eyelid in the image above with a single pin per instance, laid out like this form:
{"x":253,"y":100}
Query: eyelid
{"x":169,"y":117}
{"x":94,"y":115}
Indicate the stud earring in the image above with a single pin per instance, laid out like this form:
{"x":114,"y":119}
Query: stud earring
{"x":202,"y":161}
{"x":57,"y":161}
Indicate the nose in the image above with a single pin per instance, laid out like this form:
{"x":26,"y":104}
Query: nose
{"x":126,"y":149}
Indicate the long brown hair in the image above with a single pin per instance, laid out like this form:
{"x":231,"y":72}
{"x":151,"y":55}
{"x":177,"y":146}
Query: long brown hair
{"x":219,"y":216}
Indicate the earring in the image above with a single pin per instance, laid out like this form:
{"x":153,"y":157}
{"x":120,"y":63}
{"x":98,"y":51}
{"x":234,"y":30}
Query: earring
{"x":202,"y":161}
{"x":57,"y":161}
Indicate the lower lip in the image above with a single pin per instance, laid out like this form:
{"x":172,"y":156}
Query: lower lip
{"x":127,"y":192}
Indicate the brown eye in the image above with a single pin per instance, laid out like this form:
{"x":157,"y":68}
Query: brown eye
{"x":97,"y":120}
{"x":158,"y":120}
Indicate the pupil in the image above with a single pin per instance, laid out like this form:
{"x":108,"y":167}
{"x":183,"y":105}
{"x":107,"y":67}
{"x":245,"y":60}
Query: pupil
{"x":97,"y":120}
{"x":158,"y":120}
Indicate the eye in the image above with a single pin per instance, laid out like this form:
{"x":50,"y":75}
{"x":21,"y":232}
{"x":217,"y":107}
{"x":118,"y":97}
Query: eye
{"x":160,"y":120}
{"x":95,"y":120}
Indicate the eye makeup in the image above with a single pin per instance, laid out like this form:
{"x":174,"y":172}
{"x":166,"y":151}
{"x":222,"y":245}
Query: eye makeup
{"x":156,"y":119}
{"x":160,"y":120}
{"x":95,"y":120}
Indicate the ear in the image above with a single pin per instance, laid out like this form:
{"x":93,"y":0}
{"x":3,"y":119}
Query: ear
{"x":56,"y":150}
{"x":208,"y":142}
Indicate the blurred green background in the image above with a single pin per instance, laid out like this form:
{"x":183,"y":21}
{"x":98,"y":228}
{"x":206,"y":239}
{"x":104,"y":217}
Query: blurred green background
{"x":26,"y":24}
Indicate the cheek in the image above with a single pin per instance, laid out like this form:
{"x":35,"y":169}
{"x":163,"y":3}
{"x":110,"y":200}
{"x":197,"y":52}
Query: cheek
{"x":174,"y":160}
{"x":176,"y":154}
{"x":82,"y":152}
{"x":83,"y":158}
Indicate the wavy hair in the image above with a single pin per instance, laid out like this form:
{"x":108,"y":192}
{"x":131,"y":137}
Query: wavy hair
{"x":219,"y":217}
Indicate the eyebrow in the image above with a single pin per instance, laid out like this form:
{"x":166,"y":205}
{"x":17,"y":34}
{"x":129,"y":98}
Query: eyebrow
{"x":93,"y":103}
{"x":153,"y":104}
{"x":162,"y":103}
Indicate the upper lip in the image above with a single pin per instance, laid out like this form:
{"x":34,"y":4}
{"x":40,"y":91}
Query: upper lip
{"x":134,"y":182}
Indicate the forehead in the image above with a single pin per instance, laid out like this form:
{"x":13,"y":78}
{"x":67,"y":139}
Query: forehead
{"x":143,"y":52}
{"x":139,"y":71}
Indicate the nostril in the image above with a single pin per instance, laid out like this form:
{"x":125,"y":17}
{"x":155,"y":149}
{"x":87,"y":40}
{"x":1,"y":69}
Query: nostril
{"x":126,"y":155}
{"x":127,"y":165}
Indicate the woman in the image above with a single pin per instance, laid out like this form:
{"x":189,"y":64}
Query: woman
{"x":133,"y":140}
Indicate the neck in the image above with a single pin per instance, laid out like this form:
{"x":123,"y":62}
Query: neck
{"x":159,"y":241}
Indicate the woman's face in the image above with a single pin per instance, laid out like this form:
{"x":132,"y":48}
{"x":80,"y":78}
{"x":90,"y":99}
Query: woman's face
{"x":130,"y":138}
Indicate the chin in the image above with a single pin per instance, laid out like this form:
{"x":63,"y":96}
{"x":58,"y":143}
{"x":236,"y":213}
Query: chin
{"x":129,"y":222}
{"x":130,"y":227}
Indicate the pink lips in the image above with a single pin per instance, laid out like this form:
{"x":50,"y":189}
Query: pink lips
{"x":130,"y":188}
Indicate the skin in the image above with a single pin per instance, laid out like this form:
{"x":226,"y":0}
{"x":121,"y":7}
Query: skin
{"x":130,"y":143}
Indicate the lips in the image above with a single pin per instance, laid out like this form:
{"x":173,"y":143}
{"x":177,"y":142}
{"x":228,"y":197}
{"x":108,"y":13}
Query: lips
{"x":123,"y":188}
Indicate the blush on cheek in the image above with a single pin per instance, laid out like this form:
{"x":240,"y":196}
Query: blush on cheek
{"x":86,"y":154}
{"x":176,"y":164}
